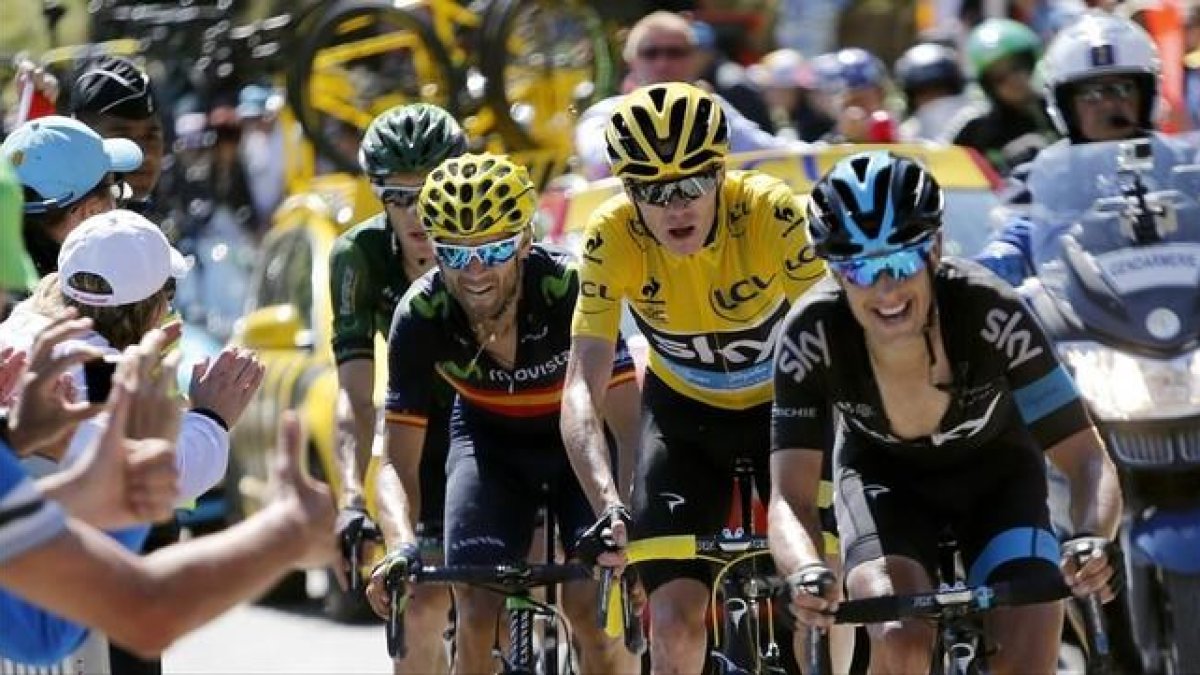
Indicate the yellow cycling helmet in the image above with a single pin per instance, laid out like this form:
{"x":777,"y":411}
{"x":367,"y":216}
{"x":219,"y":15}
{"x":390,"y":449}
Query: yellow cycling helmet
{"x":666,"y":131}
{"x":477,"y":196}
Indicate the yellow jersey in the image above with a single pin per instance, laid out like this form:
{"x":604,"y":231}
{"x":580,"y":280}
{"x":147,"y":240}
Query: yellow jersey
{"x":711,"y":318}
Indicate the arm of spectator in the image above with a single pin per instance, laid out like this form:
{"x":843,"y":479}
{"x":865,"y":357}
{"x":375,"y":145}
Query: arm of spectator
{"x":146,"y":603}
{"x":745,"y":135}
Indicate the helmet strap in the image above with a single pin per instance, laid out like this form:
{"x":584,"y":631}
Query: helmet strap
{"x":931,"y":323}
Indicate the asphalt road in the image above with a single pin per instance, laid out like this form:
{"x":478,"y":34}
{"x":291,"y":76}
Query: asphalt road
{"x":256,"y":639}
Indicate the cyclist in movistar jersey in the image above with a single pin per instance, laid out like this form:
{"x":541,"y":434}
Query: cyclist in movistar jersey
{"x":709,"y":262}
{"x":493,"y":321}
{"x":942,"y":390}
{"x":371,"y":267}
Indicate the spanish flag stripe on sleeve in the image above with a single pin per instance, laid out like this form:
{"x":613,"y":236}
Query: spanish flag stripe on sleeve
{"x":406,"y":419}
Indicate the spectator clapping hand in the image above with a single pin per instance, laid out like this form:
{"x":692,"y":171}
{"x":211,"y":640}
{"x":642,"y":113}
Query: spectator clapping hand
{"x":226,"y":385}
{"x":12,"y":367}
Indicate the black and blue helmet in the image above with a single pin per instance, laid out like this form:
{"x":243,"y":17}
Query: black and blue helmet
{"x":873,"y":203}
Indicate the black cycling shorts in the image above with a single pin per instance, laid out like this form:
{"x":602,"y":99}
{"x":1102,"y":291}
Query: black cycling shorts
{"x":684,"y":479}
{"x":993,"y":505}
{"x":497,"y":479}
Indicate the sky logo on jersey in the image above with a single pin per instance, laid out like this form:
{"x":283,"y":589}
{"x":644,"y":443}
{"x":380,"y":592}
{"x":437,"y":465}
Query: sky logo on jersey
{"x":1001,"y":331}
{"x":799,"y":357}
{"x":719,"y":361}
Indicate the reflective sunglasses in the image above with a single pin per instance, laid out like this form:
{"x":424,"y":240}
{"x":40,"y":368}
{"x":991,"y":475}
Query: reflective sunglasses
{"x":1096,"y":92}
{"x":901,"y":265}
{"x":458,"y":257}
{"x":662,"y":193}
{"x":672,"y":52}
{"x":397,"y":195}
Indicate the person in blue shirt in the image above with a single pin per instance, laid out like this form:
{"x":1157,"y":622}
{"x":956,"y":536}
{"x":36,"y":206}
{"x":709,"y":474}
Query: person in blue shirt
{"x":63,"y":567}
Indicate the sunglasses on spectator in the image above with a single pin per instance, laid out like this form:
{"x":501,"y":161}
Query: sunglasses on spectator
{"x":673,"y":52}
{"x":901,"y":265}
{"x":662,"y":193}
{"x":1095,"y":92}
{"x":459,"y":256}
{"x":397,"y":195}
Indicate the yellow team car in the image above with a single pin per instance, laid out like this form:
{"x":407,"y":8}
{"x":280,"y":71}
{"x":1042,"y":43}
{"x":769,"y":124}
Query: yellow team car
{"x":288,"y":323}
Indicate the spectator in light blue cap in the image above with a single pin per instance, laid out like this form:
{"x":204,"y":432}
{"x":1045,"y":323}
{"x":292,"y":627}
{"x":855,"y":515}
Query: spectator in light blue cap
{"x":66,"y":171}
{"x":261,"y":149}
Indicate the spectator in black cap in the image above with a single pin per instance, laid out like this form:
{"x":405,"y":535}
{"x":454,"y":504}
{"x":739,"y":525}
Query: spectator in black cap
{"x":112,"y":95}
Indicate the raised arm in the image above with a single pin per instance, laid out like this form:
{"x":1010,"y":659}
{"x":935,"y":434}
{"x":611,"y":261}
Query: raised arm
{"x":146,"y":603}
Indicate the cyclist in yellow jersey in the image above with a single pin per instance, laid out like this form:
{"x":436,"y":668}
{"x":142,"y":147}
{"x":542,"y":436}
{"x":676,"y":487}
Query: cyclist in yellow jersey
{"x":709,"y":261}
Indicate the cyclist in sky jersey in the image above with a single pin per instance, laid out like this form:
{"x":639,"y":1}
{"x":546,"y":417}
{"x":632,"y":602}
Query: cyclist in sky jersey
{"x":943,"y":391}
{"x":493,"y":320}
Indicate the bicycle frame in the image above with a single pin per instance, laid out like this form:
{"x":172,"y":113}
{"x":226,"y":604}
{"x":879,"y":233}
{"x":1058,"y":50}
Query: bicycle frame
{"x":726,"y":551}
{"x":516,"y":583}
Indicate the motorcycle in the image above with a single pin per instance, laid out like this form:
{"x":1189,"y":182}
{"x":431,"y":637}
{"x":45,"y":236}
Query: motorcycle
{"x":1117,"y":288}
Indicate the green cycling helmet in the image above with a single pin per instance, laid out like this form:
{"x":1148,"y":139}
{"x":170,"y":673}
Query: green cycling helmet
{"x":996,"y":39}
{"x":410,"y":139}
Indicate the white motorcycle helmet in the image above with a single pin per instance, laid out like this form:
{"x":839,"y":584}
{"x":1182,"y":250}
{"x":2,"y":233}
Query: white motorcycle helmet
{"x":1099,"y":44}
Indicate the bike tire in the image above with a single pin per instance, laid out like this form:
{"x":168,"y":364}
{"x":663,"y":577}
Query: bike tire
{"x":441,"y":89}
{"x":1183,"y":595}
{"x":502,"y":20}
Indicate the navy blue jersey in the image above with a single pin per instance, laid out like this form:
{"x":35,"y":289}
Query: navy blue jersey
{"x":1009,"y":388}
{"x":431,"y":334}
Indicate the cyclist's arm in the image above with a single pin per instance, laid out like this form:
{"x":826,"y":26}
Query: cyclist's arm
{"x":355,"y":426}
{"x":1095,"y":492}
{"x":589,"y":369}
{"x":399,"y":484}
{"x":793,"y":523}
{"x":352,"y":292}
{"x":412,"y":352}
{"x":1050,"y":405}
{"x":622,"y":414}
{"x":800,"y":421}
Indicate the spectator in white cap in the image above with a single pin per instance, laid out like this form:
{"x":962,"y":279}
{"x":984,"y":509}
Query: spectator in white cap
{"x":119,"y":270}
{"x":66,"y":170}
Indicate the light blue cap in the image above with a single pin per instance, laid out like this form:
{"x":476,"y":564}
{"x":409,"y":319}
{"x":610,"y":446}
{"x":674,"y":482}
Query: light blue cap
{"x":62,"y":159}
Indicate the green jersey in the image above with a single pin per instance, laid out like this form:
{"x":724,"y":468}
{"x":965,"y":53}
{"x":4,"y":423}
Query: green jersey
{"x":366,"y":277}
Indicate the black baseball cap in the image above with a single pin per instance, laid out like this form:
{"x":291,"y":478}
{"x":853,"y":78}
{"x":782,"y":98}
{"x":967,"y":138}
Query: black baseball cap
{"x":112,"y":85}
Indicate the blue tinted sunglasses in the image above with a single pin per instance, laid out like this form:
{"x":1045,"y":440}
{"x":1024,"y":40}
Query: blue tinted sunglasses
{"x":901,"y":264}
{"x":458,"y":257}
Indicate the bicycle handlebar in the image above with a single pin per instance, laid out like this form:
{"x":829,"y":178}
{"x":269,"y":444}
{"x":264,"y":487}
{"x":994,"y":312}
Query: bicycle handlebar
{"x":951,"y":602}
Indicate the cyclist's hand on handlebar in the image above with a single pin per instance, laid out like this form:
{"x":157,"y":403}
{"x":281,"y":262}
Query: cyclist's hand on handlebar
{"x":603,"y":544}
{"x":391,"y":570}
{"x":356,"y":532}
{"x":810,"y":608}
{"x":1096,"y":573}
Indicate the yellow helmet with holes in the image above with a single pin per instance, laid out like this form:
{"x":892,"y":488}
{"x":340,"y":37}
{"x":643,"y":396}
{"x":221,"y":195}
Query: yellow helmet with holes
{"x":477,"y":196}
{"x":666,"y":131}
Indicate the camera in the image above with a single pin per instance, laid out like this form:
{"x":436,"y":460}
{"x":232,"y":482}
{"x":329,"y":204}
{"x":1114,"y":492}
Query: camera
{"x":1135,"y":155}
{"x":97,"y":377}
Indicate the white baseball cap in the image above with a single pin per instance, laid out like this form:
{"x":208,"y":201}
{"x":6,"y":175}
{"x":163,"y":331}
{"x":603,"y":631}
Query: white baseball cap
{"x":124,"y":249}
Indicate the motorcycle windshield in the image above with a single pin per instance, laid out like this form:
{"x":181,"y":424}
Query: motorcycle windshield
{"x":1126,"y":279}
{"x":1077,"y":190}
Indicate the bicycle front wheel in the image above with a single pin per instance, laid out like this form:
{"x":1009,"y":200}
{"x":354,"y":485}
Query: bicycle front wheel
{"x":543,"y":59}
{"x":361,"y":58}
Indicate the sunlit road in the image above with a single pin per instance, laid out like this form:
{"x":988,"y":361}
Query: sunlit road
{"x":254,"y":639}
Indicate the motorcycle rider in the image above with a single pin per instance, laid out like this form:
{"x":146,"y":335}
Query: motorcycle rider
{"x":1002,"y":54}
{"x":1101,"y":78}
